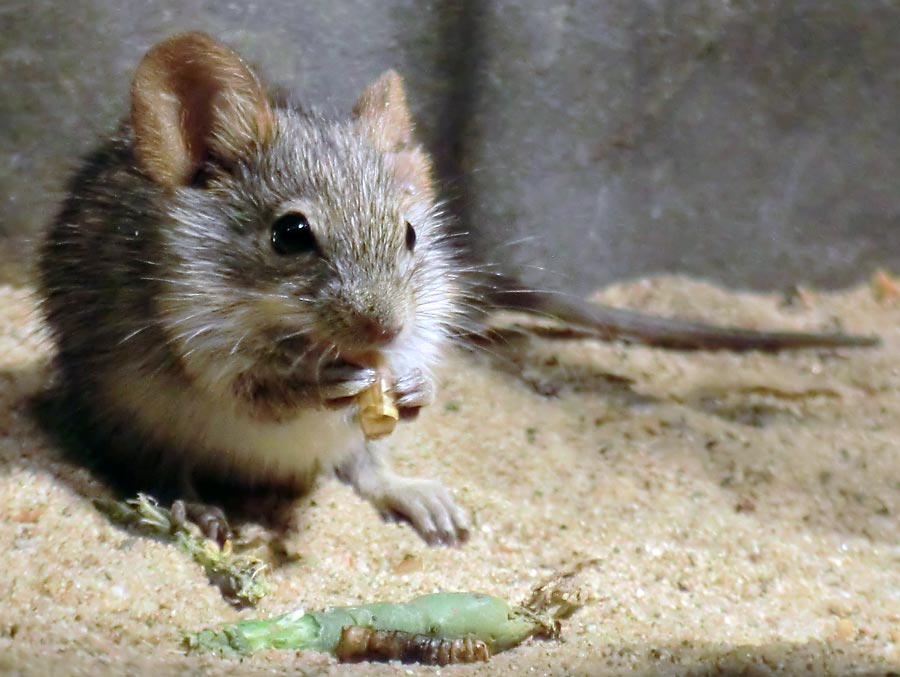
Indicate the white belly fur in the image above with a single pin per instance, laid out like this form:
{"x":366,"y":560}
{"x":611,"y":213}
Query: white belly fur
{"x":211,"y":432}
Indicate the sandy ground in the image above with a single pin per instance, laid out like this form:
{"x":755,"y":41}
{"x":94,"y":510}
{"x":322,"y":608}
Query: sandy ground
{"x":742,"y":510}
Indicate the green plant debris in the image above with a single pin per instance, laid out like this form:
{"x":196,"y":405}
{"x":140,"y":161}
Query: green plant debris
{"x":239,"y":577}
{"x":440,"y":616}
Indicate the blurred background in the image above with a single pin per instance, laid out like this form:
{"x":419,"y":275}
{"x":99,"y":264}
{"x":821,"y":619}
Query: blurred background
{"x":756,"y":144}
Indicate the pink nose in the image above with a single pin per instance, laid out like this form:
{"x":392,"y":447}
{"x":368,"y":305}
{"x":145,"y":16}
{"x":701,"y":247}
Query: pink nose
{"x":376,"y":332}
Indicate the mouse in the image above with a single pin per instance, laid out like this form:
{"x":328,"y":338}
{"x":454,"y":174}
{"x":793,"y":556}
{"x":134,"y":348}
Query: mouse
{"x":231,"y":269}
{"x":226,"y":265}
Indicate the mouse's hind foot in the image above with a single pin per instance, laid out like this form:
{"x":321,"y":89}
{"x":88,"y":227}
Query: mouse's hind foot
{"x":210,"y":519}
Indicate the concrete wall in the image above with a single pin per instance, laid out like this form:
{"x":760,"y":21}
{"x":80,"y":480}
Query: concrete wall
{"x":755,"y":143}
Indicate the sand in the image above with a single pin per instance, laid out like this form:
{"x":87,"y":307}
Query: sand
{"x":739,"y":513}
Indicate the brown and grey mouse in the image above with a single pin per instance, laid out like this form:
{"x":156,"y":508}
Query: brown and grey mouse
{"x":226,"y":265}
{"x":228,"y":268}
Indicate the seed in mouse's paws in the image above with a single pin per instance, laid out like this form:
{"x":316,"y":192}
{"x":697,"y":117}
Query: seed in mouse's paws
{"x":378,"y":413}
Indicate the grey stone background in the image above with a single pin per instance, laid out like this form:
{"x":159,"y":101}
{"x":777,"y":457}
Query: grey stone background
{"x":753,"y":143}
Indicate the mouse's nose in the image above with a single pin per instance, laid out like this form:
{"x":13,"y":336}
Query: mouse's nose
{"x":364,"y":320}
{"x":378,"y":332}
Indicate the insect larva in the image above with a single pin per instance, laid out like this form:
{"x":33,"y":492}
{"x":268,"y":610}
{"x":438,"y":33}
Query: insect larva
{"x":359,"y":643}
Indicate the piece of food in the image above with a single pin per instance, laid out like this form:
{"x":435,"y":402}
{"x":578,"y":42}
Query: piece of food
{"x":441,"y":626}
{"x":239,"y":577}
{"x":365,"y":644}
{"x":378,"y":413}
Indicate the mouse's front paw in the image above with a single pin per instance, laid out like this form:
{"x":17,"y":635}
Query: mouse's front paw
{"x":339,"y":383}
{"x":428,"y":506}
{"x":414,"y":390}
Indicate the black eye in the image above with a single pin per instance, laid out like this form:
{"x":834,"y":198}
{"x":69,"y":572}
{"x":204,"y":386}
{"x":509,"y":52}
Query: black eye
{"x":292,"y":234}
{"x":410,"y":237}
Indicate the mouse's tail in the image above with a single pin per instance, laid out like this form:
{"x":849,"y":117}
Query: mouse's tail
{"x":610,"y":323}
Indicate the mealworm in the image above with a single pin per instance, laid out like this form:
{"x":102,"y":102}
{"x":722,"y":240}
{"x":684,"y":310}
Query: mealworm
{"x":360,"y":643}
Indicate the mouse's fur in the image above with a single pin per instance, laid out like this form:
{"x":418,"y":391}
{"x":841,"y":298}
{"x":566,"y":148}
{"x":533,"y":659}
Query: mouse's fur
{"x":180,"y":327}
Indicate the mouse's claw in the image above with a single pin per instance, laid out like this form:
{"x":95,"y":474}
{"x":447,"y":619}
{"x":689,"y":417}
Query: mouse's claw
{"x":414,"y":390}
{"x":426,"y":504}
{"x":429,"y":507}
{"x":210,"y":519}
{"x":339,"y":383}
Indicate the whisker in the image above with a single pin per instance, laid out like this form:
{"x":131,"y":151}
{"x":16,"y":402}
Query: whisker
{"x":301,"y":357}
{"x":237,"y":344}
{"x":322,"y":359}
{"x":131,"y":335}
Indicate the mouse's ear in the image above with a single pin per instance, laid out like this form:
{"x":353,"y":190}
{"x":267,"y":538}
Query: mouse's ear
{"x":382,"y":116}
{"x":193,"y":98}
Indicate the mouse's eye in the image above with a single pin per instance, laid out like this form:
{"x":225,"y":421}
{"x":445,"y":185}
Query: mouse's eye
{"x":410,"y":237}
{"x":292,"y":234}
